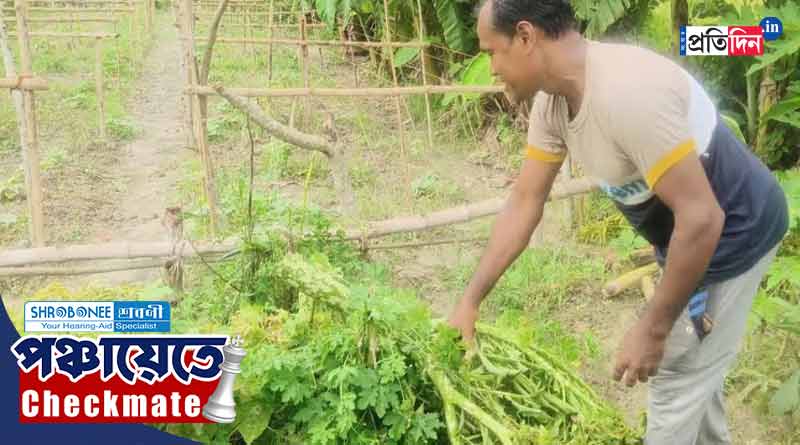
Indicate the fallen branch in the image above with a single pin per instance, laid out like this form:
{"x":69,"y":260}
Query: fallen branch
{"x":283,"y":132}
{"x":628,"y":280}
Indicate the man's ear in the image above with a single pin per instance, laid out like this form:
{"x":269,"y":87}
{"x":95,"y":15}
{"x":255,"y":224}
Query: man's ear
{"x":527,"y":34}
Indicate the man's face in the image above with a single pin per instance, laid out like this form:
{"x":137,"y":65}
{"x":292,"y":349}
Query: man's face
{"x":513,"y":58}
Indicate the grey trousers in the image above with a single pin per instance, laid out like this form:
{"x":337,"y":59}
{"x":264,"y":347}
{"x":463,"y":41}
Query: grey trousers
{"x":685,"y":401}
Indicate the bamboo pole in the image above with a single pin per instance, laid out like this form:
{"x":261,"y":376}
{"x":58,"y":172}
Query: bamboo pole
{"x":112,"y":251}
{"x":459,"y":214}
{"x":66,"y":35}
{"x":22,"y":83}
{"x":82,"y":2}
{"x":364,"y":92}
{"x":307,"y":43}
{"x":628,"y":280}
{"x":428,"y":114}
{"x":398,"y":108}
{"x":99,"y":91}
{"x":73,"y":20}
{"x":304,"y":54}
{"x":648,"y":287}
{"x":270,"y":22}
{"x":30,"y":137}
{"x":199,"y":121}
{"x":188,"y":120}
{"x":73,"y":271}
{"x":80,"y":10}
{"x":165,"y":249}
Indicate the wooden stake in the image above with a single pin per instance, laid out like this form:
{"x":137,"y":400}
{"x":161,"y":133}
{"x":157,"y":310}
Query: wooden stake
{"x":30,"y":138}
{"x":398,"y":109}
{"x":188,"y":121}
{"x":199,"y":122}
{"x":304,"y":52}
{"x":269,"y":36}
{"x":422,"y":61}
{"x":98,"y":76}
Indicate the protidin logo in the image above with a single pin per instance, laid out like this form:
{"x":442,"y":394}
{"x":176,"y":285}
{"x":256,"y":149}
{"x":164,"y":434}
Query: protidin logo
{"x":729,"y":40}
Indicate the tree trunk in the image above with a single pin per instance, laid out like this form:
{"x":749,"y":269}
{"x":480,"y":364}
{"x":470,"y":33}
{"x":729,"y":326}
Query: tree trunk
{"x":767,"y":97}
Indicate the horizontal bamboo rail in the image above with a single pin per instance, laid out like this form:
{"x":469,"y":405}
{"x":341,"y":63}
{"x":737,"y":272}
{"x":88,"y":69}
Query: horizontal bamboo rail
{"x":72,"y":35}
{"x":377,"y":229}
{"x":362,"y":92}
{"x":108,"y":251}
{"x":249,"y":13}
{"x":67,"y":20}
{"x":87,"y":270}
{"x":81,"y":10}
{"x":79,"y":2}
{"x":24,"y":83}
{"x":262,"y":25}
{"x":337,"y":43}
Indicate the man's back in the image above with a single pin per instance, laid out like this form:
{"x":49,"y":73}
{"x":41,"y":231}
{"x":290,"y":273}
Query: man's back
{"x":641,"y":114}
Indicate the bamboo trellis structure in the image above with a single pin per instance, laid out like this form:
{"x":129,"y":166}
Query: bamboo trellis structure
{"x":25,"y":107}
{"x":98,"y":38}
{"x":198,"y":91}
{"x":23,"y":83}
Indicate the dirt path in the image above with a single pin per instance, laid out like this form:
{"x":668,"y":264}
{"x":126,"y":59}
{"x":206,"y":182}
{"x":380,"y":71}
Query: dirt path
{"x":149,"y":164}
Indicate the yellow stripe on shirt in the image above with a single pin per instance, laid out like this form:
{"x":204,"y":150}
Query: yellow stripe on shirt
{"x":546,"y":156}
{"x":668,"y":161}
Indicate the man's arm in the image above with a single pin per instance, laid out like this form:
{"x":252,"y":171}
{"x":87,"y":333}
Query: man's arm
{"x":510,"y":235}
{"x":699,"y":221}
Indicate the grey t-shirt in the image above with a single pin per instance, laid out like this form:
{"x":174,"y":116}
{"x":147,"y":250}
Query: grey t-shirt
{"x":640,"y":115}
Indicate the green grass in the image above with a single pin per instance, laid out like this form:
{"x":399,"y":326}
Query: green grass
{"x":541,"y":280}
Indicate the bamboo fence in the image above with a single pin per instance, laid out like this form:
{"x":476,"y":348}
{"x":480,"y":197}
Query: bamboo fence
{"x":25,"y":108}
{"x":22,"y":83}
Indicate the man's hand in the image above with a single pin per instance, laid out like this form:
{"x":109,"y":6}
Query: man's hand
{"x":463,"y":318}
{"x":640,"y":354}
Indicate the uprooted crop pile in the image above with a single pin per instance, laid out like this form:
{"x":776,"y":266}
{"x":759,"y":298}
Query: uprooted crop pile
{"x":367,"y":364}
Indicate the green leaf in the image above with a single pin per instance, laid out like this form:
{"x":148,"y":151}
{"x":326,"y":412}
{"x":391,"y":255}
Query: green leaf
{"x":405,"y":55}
{"x":600,"y":14}
{"x":775,"y":51}
{"x":456,"y":32}
{"x":478,"y":72}
{"x":785,"y":106}
{"x":734,"y":126}
{"x":253,"y":419}
{"x":787,"y":397}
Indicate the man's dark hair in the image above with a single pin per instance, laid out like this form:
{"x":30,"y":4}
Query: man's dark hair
{"x":554,"y":17}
